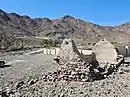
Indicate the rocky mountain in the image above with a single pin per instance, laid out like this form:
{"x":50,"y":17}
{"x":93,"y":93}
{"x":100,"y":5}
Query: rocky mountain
{"x":12,"y":24}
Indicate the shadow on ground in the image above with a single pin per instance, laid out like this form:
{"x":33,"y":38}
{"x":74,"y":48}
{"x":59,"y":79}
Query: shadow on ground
{"x":5,"y":66}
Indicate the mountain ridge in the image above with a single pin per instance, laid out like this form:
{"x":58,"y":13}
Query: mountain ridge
{"x":13,"y":24}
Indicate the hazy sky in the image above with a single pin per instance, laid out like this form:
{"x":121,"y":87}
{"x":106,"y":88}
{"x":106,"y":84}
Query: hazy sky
{"x":102,"y":12}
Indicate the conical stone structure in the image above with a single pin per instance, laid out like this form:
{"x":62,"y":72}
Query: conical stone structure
{"x":69,"y":52}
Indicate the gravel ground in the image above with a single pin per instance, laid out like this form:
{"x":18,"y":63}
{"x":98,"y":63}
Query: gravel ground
{"x":22,"y":66}
{"x":116,"y":85}
{"x":27,"y":71}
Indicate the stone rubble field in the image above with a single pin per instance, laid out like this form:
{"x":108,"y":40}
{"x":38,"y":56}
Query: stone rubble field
{"x":69,"y":74}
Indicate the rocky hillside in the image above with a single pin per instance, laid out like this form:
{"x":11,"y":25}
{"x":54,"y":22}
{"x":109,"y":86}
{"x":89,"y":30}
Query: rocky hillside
{"x":78,"y":29}
{"x":12,"y":24}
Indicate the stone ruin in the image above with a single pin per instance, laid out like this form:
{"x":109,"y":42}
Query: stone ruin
{"x":107,"y":54}
{"x":75,"y":67}
{"x":69,"y":53}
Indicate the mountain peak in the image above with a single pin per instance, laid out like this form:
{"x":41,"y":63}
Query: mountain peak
{"x":14,"y":14}
{"x":2,"y":11}
{"x":46,"y":20}
{"x":26,"y":17}
{"x":68,"y":17}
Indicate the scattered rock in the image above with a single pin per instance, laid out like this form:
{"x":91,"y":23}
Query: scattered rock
{"x":32,"y":81}
{"x":120,"y":71}
{"x":19,"y":84}
{"x":126,"y":69}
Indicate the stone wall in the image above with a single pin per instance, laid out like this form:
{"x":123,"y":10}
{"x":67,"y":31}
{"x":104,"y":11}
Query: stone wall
{"x":54,"y":51}
{"x":124,"y":50}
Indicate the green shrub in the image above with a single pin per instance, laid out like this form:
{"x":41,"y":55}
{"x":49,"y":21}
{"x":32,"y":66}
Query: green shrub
{"x":50,"y":43}
{"x":116,"y":43}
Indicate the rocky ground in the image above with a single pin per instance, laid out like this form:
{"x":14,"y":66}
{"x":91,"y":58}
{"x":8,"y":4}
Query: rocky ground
{"x":23,"y":77}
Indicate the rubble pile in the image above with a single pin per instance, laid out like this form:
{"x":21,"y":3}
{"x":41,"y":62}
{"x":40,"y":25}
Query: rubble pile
{"x":74,"y":72}
{"x":75,"y":67}
{"x":65,"y":74}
